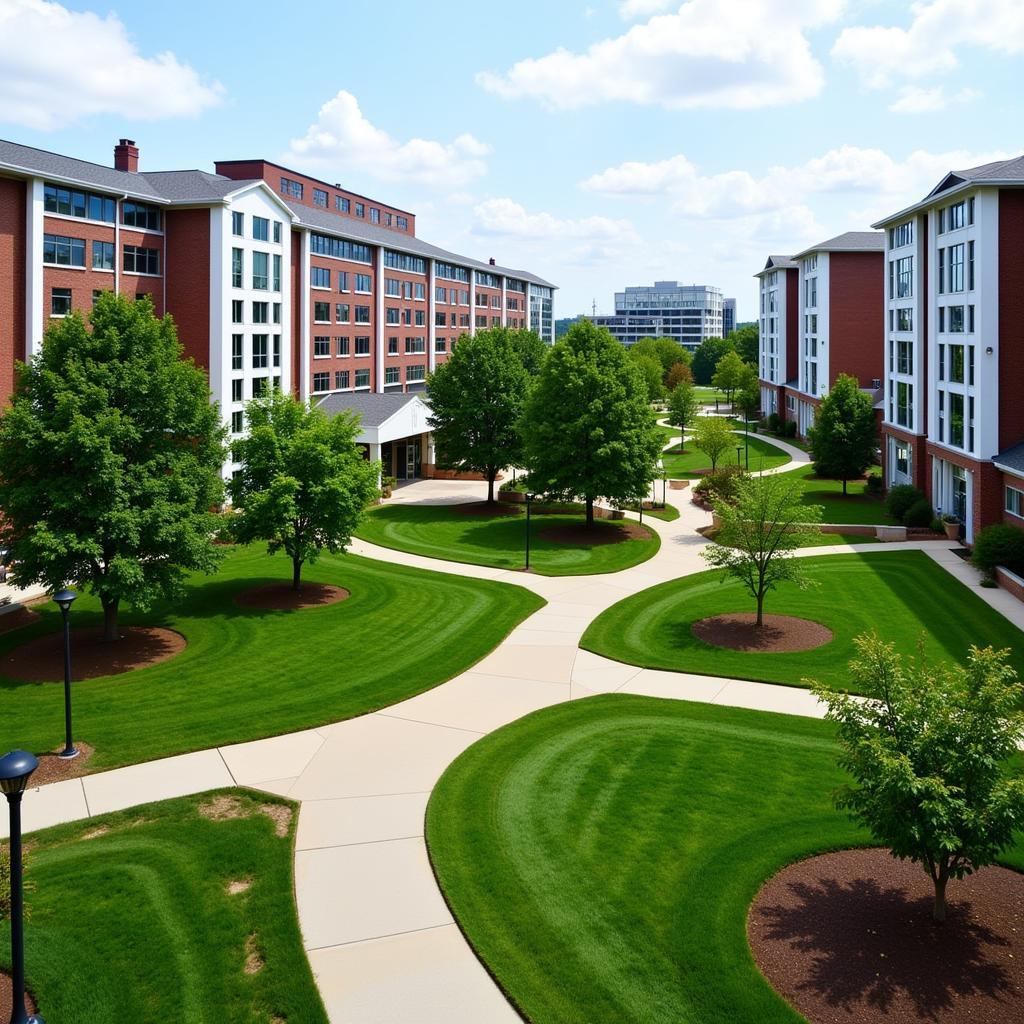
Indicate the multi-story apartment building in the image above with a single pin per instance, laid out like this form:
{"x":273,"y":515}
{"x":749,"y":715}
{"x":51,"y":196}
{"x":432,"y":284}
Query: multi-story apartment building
{"x":953,"y":421}
{"x":728,"y":317}
{"x":275,"y":278}
{"x":778,"y":324}
{"x":835,"y":314}
{"x":686,"y":313}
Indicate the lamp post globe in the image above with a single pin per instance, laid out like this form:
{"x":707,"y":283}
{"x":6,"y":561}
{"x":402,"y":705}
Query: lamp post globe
{"x":65,"y":599}
{"x":15,"y":770}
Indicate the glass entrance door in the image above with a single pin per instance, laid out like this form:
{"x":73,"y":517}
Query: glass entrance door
{"x":959,"y":493}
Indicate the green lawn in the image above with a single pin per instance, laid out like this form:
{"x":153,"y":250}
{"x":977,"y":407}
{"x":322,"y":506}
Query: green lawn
{"x":443,"y":531}
{"x":624,"y":839}
{"x":666,"y":514}
{"x":821,"y":540}
{"x":858,"y":507}
{"x":136,"y":923}
{"x":708,"y":395}
{"x":248,"y":673}
{"x":903,"y":595}
{"x":763,"y":455}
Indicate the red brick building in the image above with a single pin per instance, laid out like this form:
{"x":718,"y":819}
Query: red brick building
{"x":275,"y":278}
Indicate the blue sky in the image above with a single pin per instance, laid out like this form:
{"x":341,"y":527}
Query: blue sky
{"x":599,"y":144}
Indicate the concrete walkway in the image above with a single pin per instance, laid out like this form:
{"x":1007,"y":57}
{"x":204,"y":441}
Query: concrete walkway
{"x":380,"y":938}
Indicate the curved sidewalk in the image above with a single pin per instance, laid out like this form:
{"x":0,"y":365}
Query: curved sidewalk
{"x":381,"y":941}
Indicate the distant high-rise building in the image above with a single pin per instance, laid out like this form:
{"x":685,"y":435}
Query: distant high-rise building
{"x":728,"y":317}
{"x":667,"y":309}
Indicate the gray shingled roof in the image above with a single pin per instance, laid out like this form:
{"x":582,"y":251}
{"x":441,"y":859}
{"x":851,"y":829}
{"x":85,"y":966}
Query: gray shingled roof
{"x":325,"y":220}
{"x":374,"y":409}
{"x":849,"y":241}
{"x":195,"y":186}
{"x":1012,"y":458}
{"x":778,"y":263}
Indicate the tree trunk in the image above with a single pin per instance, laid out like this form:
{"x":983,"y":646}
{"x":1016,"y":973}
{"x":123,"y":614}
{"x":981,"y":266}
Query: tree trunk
{"x":296,"y":573}
{"x":760,"y":610}
{"x":844,"y":486}
{"x":110,"y":605}
{"x":590,"y":511}
{"x":939,"y":906}
{"x":682,"y":440}
{"x":490,"y":486}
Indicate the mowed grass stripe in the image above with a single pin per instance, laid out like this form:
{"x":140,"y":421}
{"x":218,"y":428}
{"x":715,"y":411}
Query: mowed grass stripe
{"x":902,"y":595}
{"x":248,"y":673}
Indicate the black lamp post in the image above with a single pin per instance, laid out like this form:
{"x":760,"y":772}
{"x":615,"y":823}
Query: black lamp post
{"x":664,"y":485}
{"x":739,"y":448}
{"x":746,"y":441}
{"x":15,"y":769}
{"x":65,"y":598}
{"x":529,"y":498}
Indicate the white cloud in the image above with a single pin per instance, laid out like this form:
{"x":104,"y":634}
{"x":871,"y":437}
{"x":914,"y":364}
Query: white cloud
{"x":58,"y":66}
{"x":884,"y":55}
{"x":913,"y":99}
{"x":629,"y":9}
{"x":880,"y":182}
{"x":343,"y":138}
{"x":758,"y":56}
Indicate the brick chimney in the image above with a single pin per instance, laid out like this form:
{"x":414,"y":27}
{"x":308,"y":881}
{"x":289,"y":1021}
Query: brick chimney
{"x":126,"y":156}
{"x":493,"y":262}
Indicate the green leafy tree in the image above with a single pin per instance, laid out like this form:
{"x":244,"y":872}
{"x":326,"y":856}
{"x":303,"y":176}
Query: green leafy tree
{"x":728,"y":374}
{"x":527,"y":344}
{"x":304,"y":483}
{"x":844,"y":438}
{"x":476,"y":401}
{"x":678,"y":373}
{"x":745,"y":340}
{"x":713,"y":437}
{"x":683,"y":408}
{"x":760,"y":529}
{"x":705,"y":359}
{"x":748,"y":391}
{"x":111,"y":455}
{"x":931,"y":751}
{"x":651,"y":371}
{"x":666,"y":351}
{"x":587,"y":426}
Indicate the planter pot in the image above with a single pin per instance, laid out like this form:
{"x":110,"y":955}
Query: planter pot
{"x":952,"y":530}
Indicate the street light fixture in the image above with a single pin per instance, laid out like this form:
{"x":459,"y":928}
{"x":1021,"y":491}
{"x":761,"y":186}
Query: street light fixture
{"x":529,"y":499}
{"x":15,"y":769}
{"x":739,"y":448}
{"x":664,"y":485}
{"x":65,"y":599}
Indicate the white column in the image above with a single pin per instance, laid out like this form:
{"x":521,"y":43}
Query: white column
{"x":304,"y":315}
{"x":285,"y":326}
{"x":504,"y":308}
{"x":378,"y":332}
{"x":431,"y":318}
{"x":34,"y":310}
{"x":472,"y":302}
{"x":375,"y":457}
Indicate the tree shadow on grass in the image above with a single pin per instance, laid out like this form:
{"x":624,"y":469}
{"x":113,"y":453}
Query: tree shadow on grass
{"x":860,"y":944}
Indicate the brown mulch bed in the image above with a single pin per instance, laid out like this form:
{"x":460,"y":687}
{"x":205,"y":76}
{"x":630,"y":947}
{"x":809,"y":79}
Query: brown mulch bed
{"x":280,"y":596}
{"x":483,"y":508}
{"x":42,"y":660}
{"x":779,"y":634}
{"x":849,"y":936}
{"x":580,"y":533}
{"x":15,"y":620}
{"x":55,"y":769}
{"x":6,"y":1000}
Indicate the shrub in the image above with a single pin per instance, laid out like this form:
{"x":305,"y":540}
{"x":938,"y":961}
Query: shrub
{"x":790,"y":430}
{"x":937,"y":526}
{"x":722,"y":483}
{"x":999,"y":544}
{"x":774,"y":422}
{"x":873,"y":484}
{"x":920,"y":513}
{"x":900,"y":499}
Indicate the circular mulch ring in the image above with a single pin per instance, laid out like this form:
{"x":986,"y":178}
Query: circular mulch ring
{"x":7,"y":1001}
{"x":780,"y":633}
{"x":849,"y":936}
{"x":579,"y":533}
{"x":483,"y":508}
{"x":280,"y":597}
{"x":56,"y":769}
{"x":42,"y":660}
{"x":16,"y":619}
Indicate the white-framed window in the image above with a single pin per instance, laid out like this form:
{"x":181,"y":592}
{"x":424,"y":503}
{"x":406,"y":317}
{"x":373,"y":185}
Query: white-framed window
{"x":1014,"y":503}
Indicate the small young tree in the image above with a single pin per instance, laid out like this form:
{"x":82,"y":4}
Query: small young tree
{"x":748,"y":391}
{"x":728,"y":374}
{"x":759,"y":531}
{"x":111,"y":455}
{"x":678,"y":372}
{"x":683,"y":407}
{"x":930,"y":750}
{"x":706,"y":358}
{"x":476,"y":400}
{"x":587,"y":427}
{"x":844,"y":438}
{"x":304,"y":483}
{"x":650,"y":370}
{"x":713,"y":437}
